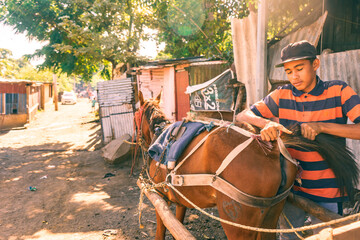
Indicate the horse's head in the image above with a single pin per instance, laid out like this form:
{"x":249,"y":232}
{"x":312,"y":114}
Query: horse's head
{"x":148,"y":117}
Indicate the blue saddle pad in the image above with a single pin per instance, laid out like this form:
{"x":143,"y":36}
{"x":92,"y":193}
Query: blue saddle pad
{"x":173,"y":149}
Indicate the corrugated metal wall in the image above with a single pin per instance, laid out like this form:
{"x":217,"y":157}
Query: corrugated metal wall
{"x":310,"y":33}
{"x":150,"y":82}
{"x":116,"y":102}
{"x":341,"y":66}
{"x":200,"y":73}
{"x":244,"y":41}
{"x":10,"y":87}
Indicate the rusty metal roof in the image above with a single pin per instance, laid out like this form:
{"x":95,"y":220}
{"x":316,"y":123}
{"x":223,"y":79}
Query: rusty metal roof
{"x":21,"y":81}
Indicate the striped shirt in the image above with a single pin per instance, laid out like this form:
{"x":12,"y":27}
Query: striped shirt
{"x":329,"y":102}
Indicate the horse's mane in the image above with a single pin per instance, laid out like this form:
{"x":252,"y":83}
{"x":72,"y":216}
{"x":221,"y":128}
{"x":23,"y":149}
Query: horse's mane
{"x":339,"y":158}
{"x":154,"y":114}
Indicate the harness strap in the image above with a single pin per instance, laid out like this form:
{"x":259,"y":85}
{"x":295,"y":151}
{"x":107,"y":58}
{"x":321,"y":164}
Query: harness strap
{"x":228,"y":159}
{"x":226,"y":188}
{"x":241,"y":131}
{"x":222,"y":185}
{"x":194,"y":149}
{"x":285,"y":152}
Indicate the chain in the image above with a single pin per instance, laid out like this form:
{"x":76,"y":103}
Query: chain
{"x":147,"y":185}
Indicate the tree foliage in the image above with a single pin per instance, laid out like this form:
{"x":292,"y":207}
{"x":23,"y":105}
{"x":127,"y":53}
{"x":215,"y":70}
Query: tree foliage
{"x":88,"y":37}
{"x":194,"y":28}
{"x":285,"y":16}
{"x":22,"y":69}
{"x":84,"y":36}
{"x":5,"y":53}
{"x":9,"y":67}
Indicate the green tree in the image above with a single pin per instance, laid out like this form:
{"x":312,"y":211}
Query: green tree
{"x":286,"y":16}
{"x":8,"y":68}
{"x":22,"y":69}
{"x":197,"y":28}
{"x":84,"y":36}
{"x":5,"y":53}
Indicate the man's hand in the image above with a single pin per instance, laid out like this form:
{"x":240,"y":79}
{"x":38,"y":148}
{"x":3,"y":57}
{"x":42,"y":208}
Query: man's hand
{"x":310,"y":130}
{"x":271,"y":130}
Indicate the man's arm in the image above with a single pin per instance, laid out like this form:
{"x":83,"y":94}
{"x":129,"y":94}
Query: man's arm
{"x":248,"y":116}
{"x":310,"y":130}
{"x":269,"y":128}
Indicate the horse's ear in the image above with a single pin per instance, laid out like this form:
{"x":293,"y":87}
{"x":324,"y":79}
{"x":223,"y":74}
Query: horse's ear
{"x":141,"y":98}
{"x":158,"y":96}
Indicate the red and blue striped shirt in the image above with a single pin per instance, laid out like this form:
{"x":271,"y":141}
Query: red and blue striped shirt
{"x":330,"y":102}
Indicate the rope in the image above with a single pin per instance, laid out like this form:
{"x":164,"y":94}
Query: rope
{"x":288,"y":222}
{"x":131,"y":143}
{"x":148,"y":185}
{"x":266,"y":230}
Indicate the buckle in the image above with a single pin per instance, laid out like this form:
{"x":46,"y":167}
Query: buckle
{"x":177,"y":180}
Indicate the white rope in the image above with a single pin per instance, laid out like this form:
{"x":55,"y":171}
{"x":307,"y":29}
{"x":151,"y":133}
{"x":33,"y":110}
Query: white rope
{"x":266,"y":230}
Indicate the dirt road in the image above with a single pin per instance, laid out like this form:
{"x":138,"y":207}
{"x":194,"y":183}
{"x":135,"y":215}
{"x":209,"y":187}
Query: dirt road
{"x":58,"y":154}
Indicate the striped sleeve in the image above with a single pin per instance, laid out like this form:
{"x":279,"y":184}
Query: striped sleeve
{"x":350,"y":103}
{"x":268,"y":107}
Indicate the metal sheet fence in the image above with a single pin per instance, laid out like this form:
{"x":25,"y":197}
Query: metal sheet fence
{"x":244,"y":41}
{"x":310,"y":33}
{"x":116,"y":102}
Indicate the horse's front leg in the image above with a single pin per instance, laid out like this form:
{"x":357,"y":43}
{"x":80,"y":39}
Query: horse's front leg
{"x":180,"y":212}
{"x":160,"y":228}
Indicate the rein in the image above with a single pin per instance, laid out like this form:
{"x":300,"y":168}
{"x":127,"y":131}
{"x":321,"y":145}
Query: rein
{"x":138,"y":120}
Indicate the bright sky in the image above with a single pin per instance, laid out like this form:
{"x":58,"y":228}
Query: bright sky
{"x":19,"y":44}
{"x":149,"y":48}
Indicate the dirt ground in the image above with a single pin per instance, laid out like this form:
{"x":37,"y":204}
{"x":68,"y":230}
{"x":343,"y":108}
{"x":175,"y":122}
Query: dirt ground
{"x":58,"y":157}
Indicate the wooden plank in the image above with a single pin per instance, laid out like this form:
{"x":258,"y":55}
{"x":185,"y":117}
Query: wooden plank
{"x":348,"y":232}
{"x":117,"y":150}
{"x":314,"y":209}
{"x":175,"y":227}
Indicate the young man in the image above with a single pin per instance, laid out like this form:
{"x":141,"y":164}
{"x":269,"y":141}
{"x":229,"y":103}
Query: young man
{"x":319,"y":107}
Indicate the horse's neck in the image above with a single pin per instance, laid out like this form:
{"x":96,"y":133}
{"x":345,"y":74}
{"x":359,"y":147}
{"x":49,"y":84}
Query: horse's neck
{"x":155,"y":133}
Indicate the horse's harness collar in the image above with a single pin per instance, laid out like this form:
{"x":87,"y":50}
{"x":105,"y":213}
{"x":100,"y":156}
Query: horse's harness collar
{"x":223,"y":186}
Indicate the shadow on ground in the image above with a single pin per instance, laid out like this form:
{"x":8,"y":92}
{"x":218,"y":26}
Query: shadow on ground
{"x":71,"y":196}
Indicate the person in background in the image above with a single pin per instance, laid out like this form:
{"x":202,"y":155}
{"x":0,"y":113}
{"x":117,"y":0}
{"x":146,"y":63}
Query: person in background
{"x":319,"y":107}
{"x":93,"y":102}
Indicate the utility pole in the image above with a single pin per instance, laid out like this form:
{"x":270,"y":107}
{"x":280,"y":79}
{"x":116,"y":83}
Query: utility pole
{"x":55,"y":92}
{"x":261,"y":54}
{"x":74,"y":87}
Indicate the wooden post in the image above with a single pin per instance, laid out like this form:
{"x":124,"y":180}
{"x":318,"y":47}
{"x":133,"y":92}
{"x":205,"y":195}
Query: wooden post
{"x":42,"y":96}
{"x":314,"y":209}
{"x":176,"y":228}
{"x":55,"y":92}
{"x":74,"y":86}
{"x":28,"y":93}
{"x":4,"y":103}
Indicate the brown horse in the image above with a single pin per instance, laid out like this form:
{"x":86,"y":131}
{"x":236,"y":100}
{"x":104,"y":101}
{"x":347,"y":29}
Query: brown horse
{"x":253,"y":171}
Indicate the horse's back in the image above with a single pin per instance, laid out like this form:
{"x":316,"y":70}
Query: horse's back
{"x":251,"y":170}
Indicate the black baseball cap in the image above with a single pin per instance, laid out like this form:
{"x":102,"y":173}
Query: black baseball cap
{"x":297,"y":51}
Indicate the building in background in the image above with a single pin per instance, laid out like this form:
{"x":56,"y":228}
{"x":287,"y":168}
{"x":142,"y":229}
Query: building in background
{"x":20,"y":100}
